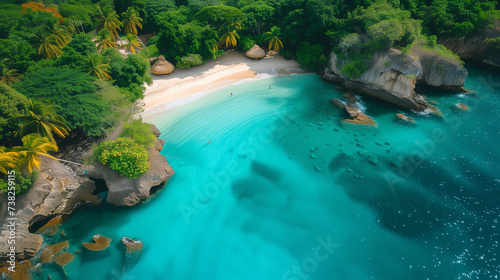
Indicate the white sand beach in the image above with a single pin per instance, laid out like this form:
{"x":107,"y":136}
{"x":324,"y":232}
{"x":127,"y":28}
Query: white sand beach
{"x":185,"y":85}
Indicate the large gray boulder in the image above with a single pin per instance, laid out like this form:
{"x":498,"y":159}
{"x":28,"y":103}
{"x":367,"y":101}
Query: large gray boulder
{"x":392,"y":76}
{"x":56,"y":191}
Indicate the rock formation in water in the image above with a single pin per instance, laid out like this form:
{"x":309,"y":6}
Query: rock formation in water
{"x":58,"y":191}
{"x":100,"y":243}
{"x":351,"y":107}
{"x":405,"y":118}
{"x":55,"y":192}
{"x":477,"y":46}
{"x":127,"y":192}
{"x":392,"y":76}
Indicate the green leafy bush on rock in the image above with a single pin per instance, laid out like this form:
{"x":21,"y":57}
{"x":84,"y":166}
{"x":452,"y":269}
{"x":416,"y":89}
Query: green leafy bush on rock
{"x":123,"y":155}
{"x":140,"y":132}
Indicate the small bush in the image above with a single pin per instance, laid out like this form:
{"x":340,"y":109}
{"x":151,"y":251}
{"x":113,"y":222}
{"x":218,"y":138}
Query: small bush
{"x":123,"y":155}
{"x":444,"y":53}
{"x":23,"y":184}
{"x":351,"y":70}
{"x":189,"y":61}
{"x":432,"y":41}
{"x":495,"y":43}
{"x":246,"y":43}
{"x":153,"y":50}
{"x":357,"y":65}
{"x":140,"y":132}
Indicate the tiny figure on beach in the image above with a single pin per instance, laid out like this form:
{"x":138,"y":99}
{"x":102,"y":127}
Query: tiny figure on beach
{"x":269,"y":86}
{"x":209,"y":142}
{"x":231,"y":94}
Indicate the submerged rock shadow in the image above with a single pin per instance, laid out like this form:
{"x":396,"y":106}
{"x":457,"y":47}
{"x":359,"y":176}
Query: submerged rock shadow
{"x":401,"y":208}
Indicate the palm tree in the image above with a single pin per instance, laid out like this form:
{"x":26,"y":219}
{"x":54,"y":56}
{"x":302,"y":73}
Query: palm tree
{"x":229,"y":39}
{"x":9,"y":76}
{"x":109,"y":22}
{"x":105,"y":40}
{"x":131,"y":20}
{"x":33,"y":147}
{"x":44,"y":120}
{"x":7,"y":159}
{"x":132,"y":43}
{"x":94,"y":66}
{"x":61,"y":35}
{"x":272,"y":37}
{"x":77,"y":25}
{"x":47,"y":45}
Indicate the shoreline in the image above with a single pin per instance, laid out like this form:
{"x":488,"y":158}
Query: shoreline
{"x":186,"y":85}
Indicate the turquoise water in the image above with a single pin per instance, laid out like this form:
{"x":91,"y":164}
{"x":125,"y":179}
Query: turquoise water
{"x":270,"y":185}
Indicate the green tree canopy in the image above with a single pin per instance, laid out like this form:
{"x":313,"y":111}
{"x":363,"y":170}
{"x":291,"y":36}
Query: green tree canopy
{"x":19,"y":52}
{"x":74,"y":53}
{"x":12,"y":105}
{"x":176,"y":41}
{"x":221,"y":17}
{"x":72,"y":90}
{"x":83,"y":44}
{"x":9,"y":14}
{"x":259,"y":17}
{"x":311,"y":57}
{"x":79,"y":15}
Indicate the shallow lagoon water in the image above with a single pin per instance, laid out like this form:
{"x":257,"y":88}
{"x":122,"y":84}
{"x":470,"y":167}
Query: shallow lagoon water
{"x":270,"y":185}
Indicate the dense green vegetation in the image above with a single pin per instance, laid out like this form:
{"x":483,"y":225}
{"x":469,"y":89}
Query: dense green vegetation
{"x":184,"y":28}
{"x":22,"y":183}
{"x":76,"y":67}
{"x":140,"y":132}
{"x":12,"y":105}
{"x":58,"y":79}
{"x":124,"y":155}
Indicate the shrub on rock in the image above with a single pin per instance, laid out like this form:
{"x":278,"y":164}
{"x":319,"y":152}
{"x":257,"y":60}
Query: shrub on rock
{"x":123,"y":155}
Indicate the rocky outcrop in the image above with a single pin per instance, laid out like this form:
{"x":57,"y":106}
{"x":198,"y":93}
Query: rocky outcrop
{"x":127,"y":192}
{"x":352,"y":108}
{"x":462,"y":107}
{"x":55,"y":192}
{"x":392,"y":76}
{"x":100,"y":243}
{"x":60,"y":189}
{"x":51,"y":251}
{"x":22,"y":271}
{"x":132,"y":245}
{"x":476,"y":46}
{"x":405,"y":118}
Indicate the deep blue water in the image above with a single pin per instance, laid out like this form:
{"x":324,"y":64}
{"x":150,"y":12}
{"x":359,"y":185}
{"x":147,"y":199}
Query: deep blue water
{"x":270,"y":185}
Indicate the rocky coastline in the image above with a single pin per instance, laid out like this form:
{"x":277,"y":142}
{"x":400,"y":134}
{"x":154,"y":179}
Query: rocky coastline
{"x":477,"y":47}
{"x":392,"y":77}
{"x":61,"y":188}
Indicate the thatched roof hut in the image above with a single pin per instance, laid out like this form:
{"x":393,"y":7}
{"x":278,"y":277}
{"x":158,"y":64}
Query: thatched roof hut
{"x":162,"y":67}
{"x":256,"y":52}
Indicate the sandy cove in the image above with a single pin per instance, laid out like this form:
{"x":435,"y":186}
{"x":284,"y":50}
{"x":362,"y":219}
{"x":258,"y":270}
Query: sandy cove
{"x":182,"y":85}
